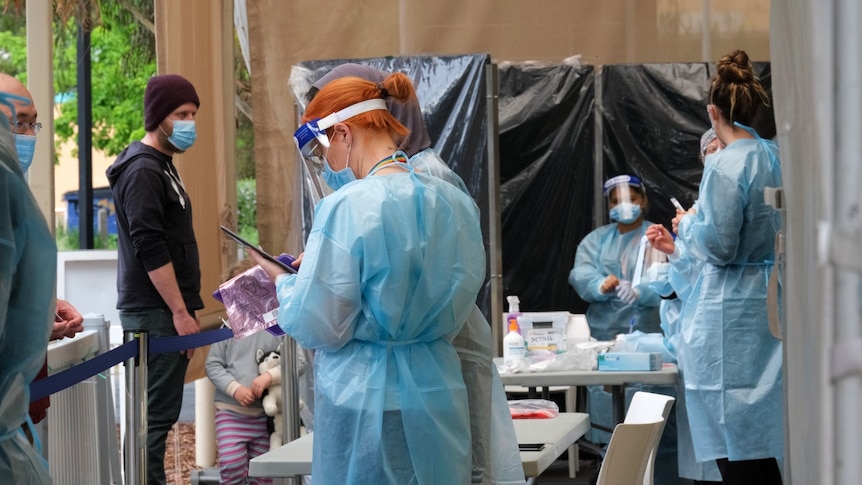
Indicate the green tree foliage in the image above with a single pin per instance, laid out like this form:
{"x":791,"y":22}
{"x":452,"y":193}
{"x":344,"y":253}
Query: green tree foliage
{"x":119,"y":75}
{"x":123,"y":58}
{"x":117,"y":104}
{"x":13,"y":45}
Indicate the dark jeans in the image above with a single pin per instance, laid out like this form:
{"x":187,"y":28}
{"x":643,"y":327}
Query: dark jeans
{"x":165,"y":375}
{"x":743,"y":472}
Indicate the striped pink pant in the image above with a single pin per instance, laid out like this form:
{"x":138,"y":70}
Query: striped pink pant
{"x":240,"y":438}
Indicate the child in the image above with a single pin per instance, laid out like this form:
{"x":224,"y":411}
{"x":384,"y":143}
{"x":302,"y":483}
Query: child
{"x":241,"y":424}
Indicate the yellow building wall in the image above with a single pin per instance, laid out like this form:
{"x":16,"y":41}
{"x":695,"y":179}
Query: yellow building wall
{"x":66,"y":176}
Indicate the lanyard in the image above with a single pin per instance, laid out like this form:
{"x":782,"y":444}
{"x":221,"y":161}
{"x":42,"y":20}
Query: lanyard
{"x":396,"y":157}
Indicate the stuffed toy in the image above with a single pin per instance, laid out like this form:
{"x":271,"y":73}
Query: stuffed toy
{"x":272,"y":396}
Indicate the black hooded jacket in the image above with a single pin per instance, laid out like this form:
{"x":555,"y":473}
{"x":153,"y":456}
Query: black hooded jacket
{"x":154,"y":227}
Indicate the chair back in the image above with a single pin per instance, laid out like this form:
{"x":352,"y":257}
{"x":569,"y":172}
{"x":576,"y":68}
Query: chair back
{"x":628,"y":453}
{"x":647,"y":407}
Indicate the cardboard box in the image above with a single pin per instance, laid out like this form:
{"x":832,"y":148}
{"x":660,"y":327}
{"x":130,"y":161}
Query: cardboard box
{"x":630,"y":361}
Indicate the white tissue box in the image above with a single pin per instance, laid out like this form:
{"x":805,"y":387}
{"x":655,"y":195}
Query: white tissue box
{"x":630,"y":361}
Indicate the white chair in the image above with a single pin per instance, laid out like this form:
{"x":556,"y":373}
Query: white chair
{"x":647,"y":407}
{"x":630,"y":455}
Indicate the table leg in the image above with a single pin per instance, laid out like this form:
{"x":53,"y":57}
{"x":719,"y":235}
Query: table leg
{"x":618,"y":402}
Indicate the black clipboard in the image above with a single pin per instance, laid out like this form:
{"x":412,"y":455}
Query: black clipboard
{"x":264,"y":254}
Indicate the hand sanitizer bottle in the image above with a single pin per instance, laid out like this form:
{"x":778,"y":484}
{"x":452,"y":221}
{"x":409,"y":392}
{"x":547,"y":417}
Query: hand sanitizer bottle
{"x":514,"y":310}
{"x":514,"y":347}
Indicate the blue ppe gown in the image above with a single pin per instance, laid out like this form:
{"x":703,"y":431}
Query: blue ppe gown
{"x":391,"y":271}
{"x":496,"y":460}
{"x":732,"y":363}
{"x":604,"y":252}
{"x":28,"y":272}
{"x":677,"y":278}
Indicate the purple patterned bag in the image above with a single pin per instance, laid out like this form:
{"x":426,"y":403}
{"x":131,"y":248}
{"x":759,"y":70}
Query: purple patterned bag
{"x":250,"y":302}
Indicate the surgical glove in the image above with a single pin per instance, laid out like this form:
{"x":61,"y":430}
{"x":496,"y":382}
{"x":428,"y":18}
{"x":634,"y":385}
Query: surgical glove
{"x":626,"y":292}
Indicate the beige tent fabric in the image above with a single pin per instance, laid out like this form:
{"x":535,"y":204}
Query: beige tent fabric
{"x":285,"y":32}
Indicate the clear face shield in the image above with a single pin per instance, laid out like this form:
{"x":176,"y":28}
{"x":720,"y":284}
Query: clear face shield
{"x":312,"y":144}
{"x":624,"y":200}
{"x":312,"y":141}
{"x":709,"y":144}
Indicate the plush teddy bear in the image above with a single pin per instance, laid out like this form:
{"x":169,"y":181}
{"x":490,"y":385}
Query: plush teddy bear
{"x":272,"y":396}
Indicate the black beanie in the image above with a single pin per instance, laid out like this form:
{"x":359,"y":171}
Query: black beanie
{"x":165,"y":94}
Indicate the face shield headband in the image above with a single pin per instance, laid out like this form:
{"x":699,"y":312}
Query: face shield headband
{"x":624,"y":180}
{"x":311,"y":139}
{"x":619,"y":191}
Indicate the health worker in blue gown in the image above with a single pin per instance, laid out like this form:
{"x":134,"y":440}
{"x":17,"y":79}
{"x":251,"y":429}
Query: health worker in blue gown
{"x":674,"y":283}
{"x":496,"y":460}
{"x":28,"y":258}
{"x":731,"y":361}
{"x":390,"y":273}
{"x":606,"y":261}
{"x":604,"y":276}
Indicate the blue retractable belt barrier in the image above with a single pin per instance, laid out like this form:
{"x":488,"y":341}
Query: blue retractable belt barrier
{"x":161,"y":345}
{"x":158,"y":345}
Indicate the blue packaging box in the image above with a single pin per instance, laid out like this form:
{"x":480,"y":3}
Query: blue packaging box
{"x":630,"y":361}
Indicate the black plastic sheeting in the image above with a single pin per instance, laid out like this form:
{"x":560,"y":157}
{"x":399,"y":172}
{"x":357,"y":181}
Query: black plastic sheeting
{"x":650,"y":119}
{"x":546,"y":178}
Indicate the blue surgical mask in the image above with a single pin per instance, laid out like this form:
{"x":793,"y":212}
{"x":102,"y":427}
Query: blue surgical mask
{"x":338,"y":179}
{"x":25,"y":145}
{"x":625,"y":212}
{"x":184,"y":134}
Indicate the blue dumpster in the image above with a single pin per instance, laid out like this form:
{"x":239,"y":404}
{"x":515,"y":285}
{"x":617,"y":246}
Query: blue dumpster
{"x":102,"y":199}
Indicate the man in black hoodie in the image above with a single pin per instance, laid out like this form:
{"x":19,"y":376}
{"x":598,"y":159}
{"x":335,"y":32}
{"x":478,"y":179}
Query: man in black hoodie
{"x":158,"y":278}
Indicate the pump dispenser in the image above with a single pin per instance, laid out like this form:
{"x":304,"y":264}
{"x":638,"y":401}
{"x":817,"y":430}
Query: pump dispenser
{"x":514,"y":346}
{"x":514,"y":309}
{"x":514,"y":305}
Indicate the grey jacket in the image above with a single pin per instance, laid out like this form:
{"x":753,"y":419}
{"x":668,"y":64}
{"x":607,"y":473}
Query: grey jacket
{"x":232,"y":363}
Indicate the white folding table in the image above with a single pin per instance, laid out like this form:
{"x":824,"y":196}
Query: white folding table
{"x":554,"y":436}
{"x":617,"y":380}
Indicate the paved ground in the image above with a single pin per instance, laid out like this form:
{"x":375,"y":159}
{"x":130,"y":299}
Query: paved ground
{"x":558,"y":472}
{"x":187,"y":412}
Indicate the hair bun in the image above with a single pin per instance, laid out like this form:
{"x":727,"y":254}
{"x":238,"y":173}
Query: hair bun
{"x":735,"y":68}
